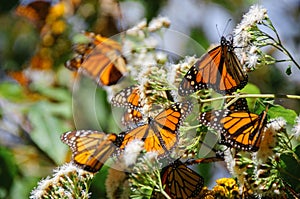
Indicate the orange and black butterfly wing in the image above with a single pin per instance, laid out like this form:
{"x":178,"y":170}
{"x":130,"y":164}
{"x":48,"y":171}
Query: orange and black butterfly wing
{"x":160,"y":134}
{"x":218,"y":69}
{"x":131,"y":116}
{"x":237,"y":105}
{"x":166,"y":124}
{"x":146,"y":134}
{"x":35,"y":11}
{"x":232,"y":75}
{"x":244,"y":130}
{"x":104,"y":63}
{"x":101,"y":59}
{"x":90,"y":149}
{"x":239,"y":129}
{"x":180,"y":181}
{"x":128,"y":98}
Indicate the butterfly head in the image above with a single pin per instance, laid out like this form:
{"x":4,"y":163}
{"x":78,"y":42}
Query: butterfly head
{"x":227,"y":41}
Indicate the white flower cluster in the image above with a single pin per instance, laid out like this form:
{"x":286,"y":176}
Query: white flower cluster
{"x":246,"y":50}
{"x":66,"y":181}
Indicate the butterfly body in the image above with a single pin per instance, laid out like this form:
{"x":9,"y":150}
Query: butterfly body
{"x":218,"y":69}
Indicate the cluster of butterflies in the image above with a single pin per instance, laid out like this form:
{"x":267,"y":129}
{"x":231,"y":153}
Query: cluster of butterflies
{"x":218,"y":69}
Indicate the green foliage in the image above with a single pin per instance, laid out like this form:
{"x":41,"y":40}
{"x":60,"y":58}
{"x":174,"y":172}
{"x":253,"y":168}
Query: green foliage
{"x":290,"y":164}
{"x":279,"y":111}
{"x":8,"y":171}
{"x":48,"y":124}
{"x":11,"y":91}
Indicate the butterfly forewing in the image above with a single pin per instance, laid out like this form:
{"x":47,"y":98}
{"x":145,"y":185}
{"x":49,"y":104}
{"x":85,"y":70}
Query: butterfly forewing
{"x":130,"y":99}
{"x":36,"y":11}
{"x":90,"y":149}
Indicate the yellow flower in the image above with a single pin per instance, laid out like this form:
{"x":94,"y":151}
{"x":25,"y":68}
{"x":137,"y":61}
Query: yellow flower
{"x":226,"y":188}
{"x":58,"y":27}
{"x":57,"y":10}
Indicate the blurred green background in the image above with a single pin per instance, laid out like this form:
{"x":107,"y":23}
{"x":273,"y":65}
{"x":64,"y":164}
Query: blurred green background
{"x":36,"y":104}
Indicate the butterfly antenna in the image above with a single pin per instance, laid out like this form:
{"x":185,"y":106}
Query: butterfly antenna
{"x":229,"y":20}
{"x":218,"y":30}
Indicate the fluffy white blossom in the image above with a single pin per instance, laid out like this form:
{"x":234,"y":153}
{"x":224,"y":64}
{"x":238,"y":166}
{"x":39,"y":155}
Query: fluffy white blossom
{"x":158,"y":23}
{"x":244,"y":37}
{"x":132,"y":151}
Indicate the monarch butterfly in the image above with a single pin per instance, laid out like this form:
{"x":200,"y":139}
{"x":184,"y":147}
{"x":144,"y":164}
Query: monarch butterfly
{"x":219,"y":69}
{"x":35,"y":11}
{"x":239,"y":129}
{"x":91,"y":149}
{"x":130,"y":99}
{"x":100,"y":59}
{"x":180,"y":181}
{"x":160,"y":134}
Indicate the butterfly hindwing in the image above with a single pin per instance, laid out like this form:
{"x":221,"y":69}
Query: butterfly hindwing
{"x":128,"y":98}
{"x":90,"y":149}
{"x":237,"y":104}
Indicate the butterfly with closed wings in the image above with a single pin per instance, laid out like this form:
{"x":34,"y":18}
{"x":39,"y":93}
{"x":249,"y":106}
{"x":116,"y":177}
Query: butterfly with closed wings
{"x":180,"y":181}
{"x":218,"y":69}
{"x":101,"y":59}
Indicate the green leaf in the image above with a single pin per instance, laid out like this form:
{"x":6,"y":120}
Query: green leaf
{"x":48,"y":125}
{"x":290,"y":170}
{"x":11,"y":91}
{"x":58,"y":94}
{"x":250,"y":89}
{"x":8,"y":171}
{"x":279,"y":111}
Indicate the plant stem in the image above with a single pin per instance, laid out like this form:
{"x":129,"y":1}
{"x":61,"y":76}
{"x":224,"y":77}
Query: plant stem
{"x":251,"y":96}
